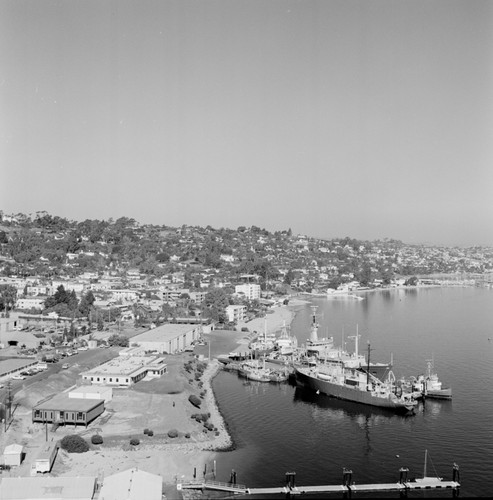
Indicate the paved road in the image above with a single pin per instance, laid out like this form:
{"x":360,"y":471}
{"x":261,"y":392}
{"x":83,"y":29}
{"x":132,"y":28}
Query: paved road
{"x":83,"y":359}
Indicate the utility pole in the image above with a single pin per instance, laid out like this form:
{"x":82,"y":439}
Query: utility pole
{"x":9,"y":403}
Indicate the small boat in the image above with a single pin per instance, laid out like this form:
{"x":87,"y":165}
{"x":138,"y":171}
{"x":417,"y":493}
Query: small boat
{"x":430,"y":386}
{"x":285,"y":344}
{"x":252,"y":370}
{"x":263,"y":344}
{"x":279,"y":376}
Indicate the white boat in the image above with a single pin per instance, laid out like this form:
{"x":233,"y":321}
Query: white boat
{"x":285,"y":345}
{"x":430,"y":386}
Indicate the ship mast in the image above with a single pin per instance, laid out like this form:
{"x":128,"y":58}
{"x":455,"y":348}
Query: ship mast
{"x":356,"y":338}
{"x":314,"y":329}
{"x":368,"y":367}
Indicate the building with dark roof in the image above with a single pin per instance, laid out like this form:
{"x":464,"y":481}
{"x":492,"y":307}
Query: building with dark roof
{"x":61,"y":409}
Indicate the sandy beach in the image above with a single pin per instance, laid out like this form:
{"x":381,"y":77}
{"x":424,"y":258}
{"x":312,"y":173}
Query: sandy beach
{"x":132,"y":411}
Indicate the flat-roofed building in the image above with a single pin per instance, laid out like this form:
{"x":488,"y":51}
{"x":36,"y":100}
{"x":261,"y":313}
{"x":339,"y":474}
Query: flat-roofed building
{"x":132,"y":484}
{"x":12,"y":366}
{"x":13,"y":455}
{"x":169,"y":338}
{"x":92,"y":392}
{"x":31,"y":303}
{"x":61,"y":409}
{"x":10,"y":323}
{"x":125,"y":371}
{"x":56,"y":488}
{"x":251,"y":291}
{"x":236,"y":312}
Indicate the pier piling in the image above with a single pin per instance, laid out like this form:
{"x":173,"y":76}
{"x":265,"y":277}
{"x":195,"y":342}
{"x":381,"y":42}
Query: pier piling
{"x":456,"y":473}
{"x":346,"y":476}
{"x":403,"y":475}
{"x":290,"y":479}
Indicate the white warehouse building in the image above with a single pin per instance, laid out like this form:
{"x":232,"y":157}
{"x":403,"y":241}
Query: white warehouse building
{"x":168,"y":338}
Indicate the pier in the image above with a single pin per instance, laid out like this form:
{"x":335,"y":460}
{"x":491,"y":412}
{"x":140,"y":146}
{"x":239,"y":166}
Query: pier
{"x":347,"y":488}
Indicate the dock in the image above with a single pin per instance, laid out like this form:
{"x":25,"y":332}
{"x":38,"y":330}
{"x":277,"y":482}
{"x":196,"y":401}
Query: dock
{"x":347,"y":488}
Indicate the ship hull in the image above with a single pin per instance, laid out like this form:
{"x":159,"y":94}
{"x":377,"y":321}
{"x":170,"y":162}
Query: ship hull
{"x":348,"y":393}
{"x":438,"y":393}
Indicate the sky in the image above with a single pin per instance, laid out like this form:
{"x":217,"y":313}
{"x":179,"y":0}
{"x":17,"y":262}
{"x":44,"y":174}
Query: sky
{"x":363,"y":118}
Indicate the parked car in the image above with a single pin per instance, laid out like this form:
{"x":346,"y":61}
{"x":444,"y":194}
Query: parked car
{"x":18,"y":377}
{"x":65,"y":366}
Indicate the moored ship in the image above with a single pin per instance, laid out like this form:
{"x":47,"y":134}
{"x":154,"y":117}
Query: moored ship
{"x":353,"y":385}
{"x":325,"y":351}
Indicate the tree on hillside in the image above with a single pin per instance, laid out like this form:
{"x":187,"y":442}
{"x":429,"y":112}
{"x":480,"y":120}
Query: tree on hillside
{"x":214,"y":305}
{"x":63,"y":302}
{"x":8,"y":296}
{"x":86,"y":303}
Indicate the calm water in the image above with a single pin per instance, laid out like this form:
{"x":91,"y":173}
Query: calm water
{"x":281,"y":428}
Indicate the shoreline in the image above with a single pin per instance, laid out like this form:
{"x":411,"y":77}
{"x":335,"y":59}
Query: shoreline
{"x":284,"y":317}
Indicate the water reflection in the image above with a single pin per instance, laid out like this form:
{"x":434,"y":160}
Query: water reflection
{"x":338,"y":408}
{"x":434,"y":408}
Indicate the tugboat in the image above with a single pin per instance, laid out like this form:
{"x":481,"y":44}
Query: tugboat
{"x":429,"y":385}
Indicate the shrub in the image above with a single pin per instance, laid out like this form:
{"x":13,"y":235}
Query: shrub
{"x":195,"y":400}
{"x":208,"y":426}
{"x":134,"y":442}
{"x":187,"y":435}
{"x":150,"y":433}
{"x":172,"y":433}
{"x":74,"y":443}
{"x":146,"y":431}
{"x":97,"y":439}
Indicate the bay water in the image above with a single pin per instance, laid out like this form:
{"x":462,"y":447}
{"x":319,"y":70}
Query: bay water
{"x":279,"y":428}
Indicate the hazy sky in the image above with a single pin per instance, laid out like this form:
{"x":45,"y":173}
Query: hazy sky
{"x":367,"y":119}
